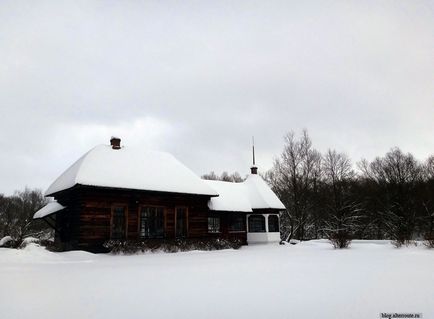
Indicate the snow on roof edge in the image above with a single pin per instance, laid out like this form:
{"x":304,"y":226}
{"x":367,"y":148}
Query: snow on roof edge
{"x":49,"y":209}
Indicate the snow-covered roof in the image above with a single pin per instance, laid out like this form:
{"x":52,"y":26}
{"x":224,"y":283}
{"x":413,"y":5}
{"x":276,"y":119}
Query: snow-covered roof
{"x":50,"y":208}
{"x":260,"y":194}
{"x":232,"y":197}
{"x":253,"y":193}
{"x":131,"y":168}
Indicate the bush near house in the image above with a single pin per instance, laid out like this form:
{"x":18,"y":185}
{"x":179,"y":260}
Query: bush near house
{"x":429,"y":240}
{"x":171,"y":246}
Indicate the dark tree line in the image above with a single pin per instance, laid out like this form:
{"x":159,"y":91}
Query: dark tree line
{"x":391,"y":197}
{"x":225,"y":176}
{"x":16,"y":215}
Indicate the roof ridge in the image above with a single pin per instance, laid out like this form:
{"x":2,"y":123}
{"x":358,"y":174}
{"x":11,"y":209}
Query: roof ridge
{"x":76,"y":165}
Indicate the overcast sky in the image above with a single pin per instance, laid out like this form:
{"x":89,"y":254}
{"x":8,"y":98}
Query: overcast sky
{"x":199,"y":78}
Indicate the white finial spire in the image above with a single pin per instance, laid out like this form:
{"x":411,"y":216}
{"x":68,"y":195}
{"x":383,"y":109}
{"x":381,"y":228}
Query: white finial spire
{"x":253,"y":169}
{"x":253,"y":148}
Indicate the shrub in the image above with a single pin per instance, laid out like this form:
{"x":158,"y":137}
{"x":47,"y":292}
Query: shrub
{"x":47,"y":243}
{"x":27,"y":241}
{"x":398,"y":243}
{"x":170,"y":246}
{"x":7,"y":242}
{"x":340,"y":239}
{"x":42,"y":238}
{"x":429,"y":240}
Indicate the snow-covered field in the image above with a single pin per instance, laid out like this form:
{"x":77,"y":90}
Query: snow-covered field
{"x":309,"y":280}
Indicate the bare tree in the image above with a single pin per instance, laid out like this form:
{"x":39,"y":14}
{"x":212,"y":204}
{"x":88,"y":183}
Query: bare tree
{"x":429,"y":168}
{"x":210,"y":176}
{"x":16,"y":214}
{"x":294,"y":177}
{"x":427,"y":201}
{"x":343,"y":211}
{"x":236,"y":177}
{"x":396,"y":176}
{"x":225,"y":176}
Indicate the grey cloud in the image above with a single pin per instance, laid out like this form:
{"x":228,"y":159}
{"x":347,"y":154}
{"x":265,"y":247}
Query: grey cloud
{"x":199,"y":78}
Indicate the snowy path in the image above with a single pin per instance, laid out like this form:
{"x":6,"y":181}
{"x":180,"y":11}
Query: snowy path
{"x":310,"y":280}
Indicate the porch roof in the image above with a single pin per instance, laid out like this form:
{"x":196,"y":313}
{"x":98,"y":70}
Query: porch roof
{"x":49,"y":209}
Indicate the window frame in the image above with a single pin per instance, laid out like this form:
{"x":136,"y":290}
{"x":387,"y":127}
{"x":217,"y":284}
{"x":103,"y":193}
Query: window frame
{"x":112,"y":209}
{"x":186,"y":221}
{"x":243,"y":223}
{"x":264,"y":223}
{"x":139,"y":220}
{"x":278,"y":223}
{"x":219,"y":231}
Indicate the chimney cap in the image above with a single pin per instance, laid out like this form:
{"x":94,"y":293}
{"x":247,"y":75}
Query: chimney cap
{"x":254,"y":170}
{"x":115,"y":142}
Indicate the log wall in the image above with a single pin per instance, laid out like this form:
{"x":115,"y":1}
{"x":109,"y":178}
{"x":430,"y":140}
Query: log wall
{"x":87,"y":223}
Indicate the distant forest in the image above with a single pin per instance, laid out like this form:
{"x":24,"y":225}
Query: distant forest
{"x":327,"y":196}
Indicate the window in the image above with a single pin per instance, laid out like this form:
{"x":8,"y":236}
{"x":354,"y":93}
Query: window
{"x":213,"y":224}
{"x":181,"y":222}
{"x":236,"y":223}
{"x":273,"y":224}
{"x":118,"y":222}
{"x":151,"y":222}
{"x":256,"y":224}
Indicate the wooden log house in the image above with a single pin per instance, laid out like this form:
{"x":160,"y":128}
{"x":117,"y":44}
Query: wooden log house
{"x":115,"y":192}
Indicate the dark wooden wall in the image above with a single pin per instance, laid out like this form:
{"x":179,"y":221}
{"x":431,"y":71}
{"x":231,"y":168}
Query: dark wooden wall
{"x":86,"y":222}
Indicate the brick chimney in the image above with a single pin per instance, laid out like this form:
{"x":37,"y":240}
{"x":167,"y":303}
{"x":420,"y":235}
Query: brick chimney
{"x":254,"y":170}
{"x":115,"y":142}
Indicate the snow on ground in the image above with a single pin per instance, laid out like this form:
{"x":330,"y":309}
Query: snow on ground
{"x":308,"y":280}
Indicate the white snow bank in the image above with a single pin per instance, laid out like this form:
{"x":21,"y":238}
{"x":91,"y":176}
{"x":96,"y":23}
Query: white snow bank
{"x":308,"y":280}
{"x":34,"y":254}
{"x":50,"y":208}
{"x":131,"y":168}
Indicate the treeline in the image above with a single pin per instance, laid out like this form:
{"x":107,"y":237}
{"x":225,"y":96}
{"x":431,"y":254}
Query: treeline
{"x":326,"y":196}
{"x":16,"y":215}
{"x":225,"y":176}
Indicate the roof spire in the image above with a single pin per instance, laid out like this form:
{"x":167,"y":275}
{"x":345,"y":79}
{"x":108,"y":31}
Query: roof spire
{"x":253,"y":149}
{"x":253,"y":169}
